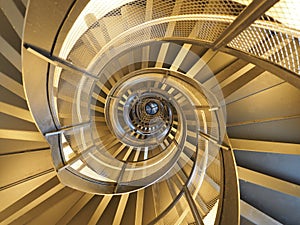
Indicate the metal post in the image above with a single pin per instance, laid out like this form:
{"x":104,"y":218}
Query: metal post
{"x":75,"y":126}
{"x":120,"y":177}
{"x":193,"y":206}
{"x":56,"y":61}
{"x":214,"y":140}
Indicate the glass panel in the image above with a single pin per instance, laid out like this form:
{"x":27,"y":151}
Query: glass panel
{"x":71,"y":97}
{"x":180,"y":213}
{"x":205,"y":187}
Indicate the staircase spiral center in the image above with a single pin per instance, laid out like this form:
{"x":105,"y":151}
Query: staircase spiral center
{"x":151,"y":108}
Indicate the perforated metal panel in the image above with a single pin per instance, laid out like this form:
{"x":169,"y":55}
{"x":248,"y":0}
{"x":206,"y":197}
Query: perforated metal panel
{"x":204,"y":20}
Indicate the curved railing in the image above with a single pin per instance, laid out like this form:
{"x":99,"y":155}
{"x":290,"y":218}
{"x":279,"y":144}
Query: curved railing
{"x":121,"y":127}
{"x":123,"y":105}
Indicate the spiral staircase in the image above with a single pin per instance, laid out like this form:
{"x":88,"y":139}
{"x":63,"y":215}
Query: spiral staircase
{"x":150,"y":112}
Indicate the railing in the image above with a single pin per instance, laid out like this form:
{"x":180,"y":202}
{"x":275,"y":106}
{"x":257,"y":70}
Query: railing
{"x":108,"y":65}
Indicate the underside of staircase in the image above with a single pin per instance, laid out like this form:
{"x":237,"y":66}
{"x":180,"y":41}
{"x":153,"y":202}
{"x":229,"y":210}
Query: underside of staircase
{"x":261,"y":96}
